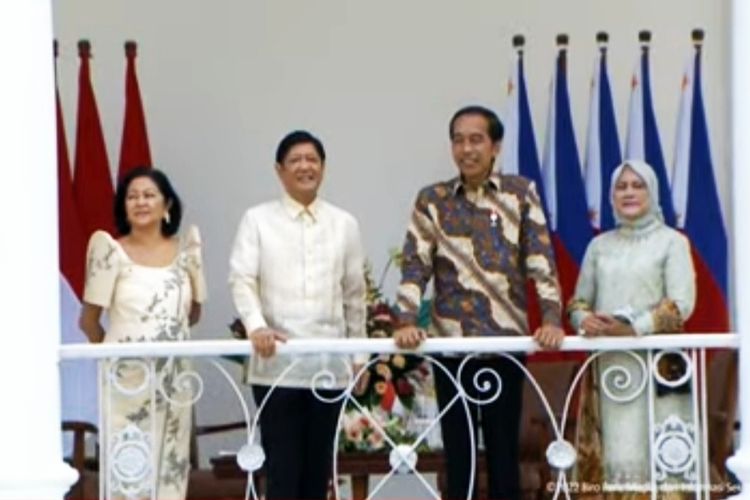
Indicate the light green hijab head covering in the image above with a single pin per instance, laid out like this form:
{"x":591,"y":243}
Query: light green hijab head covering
{"x":647,"y":174}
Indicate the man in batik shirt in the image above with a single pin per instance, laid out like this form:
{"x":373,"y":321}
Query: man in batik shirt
{"x":479,"y":237}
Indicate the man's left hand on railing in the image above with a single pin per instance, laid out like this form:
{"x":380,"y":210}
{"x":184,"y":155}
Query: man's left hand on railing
{"x":409,"y":336}
{"x":549,"y":336}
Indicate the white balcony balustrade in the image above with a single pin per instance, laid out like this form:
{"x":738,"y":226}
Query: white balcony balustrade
{"x":630,"y":372}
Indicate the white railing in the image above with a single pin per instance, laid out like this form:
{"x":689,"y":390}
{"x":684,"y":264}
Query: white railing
{"x":678,"y":447}
{"x":201,"y":348}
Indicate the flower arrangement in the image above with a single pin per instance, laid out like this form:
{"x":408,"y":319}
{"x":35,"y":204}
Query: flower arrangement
{"x":393,"y":383}
{"x":361,"y":430}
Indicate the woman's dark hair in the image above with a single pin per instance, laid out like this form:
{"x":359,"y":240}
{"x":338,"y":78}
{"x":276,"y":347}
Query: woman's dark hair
{"x":495,"y":127}
{"x":299,"y":137}
{"x":165,"y":188}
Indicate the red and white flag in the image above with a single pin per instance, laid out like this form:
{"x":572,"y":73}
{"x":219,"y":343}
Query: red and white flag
{"x":92,"y":181}
{"x":134,"y":148}
{"x":79,"y":388}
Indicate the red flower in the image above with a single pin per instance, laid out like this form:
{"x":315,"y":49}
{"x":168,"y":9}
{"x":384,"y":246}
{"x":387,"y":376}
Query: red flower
{"x":404,"y":388}
{"x":380,"y":307}
{"x":382,"y":318}
{"x":388,"y":396}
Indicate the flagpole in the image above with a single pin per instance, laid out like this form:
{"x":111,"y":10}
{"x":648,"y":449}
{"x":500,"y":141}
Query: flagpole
{"x":739,"y":463}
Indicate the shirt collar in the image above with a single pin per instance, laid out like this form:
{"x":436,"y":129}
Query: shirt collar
{"x":297,"y":210}
{"x":492,"y":183}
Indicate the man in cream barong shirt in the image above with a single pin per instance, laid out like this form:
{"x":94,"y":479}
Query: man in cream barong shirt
{"x":297,"y":271}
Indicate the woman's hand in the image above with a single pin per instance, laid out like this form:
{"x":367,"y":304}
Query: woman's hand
{"x":593,"y":326}
{"x":617,"y":328}
{"x":195,"y":313}
{"x":599,"y":324}
{"x":89,"y":323}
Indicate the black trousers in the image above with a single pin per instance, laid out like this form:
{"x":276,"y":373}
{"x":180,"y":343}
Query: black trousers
{"x":297,"y":434}
{"x":499,"y":419}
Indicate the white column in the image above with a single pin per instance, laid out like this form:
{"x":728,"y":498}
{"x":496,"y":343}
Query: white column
{"x":739,"y":463}
{"x":31,"y":465}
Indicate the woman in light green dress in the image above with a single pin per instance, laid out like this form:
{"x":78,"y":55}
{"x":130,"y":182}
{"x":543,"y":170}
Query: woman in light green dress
{"x":637,"y":279}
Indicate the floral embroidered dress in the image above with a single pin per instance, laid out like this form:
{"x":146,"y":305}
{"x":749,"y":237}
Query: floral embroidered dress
{"x":146,"y":403}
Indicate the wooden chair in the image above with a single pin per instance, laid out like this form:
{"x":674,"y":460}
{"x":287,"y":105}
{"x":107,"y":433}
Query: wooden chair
{"x":555,"y":378}
{"x":202,"y":483}
{"x":87,"y":486}
{"x":213,"y":483}
{"x":722,"y":411}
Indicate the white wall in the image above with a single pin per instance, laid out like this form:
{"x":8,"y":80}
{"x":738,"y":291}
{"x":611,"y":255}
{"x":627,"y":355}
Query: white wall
{"x":222,"y":81}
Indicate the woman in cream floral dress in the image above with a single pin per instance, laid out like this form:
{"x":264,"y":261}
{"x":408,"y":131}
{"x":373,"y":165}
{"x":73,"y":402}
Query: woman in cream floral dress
{"x":151,"y":284}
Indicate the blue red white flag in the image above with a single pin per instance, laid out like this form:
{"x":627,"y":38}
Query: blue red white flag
{"x":696,"y":202}
{"x":602,"y":144}
{"x":563,"y":183}
{"x":642,"y":142}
